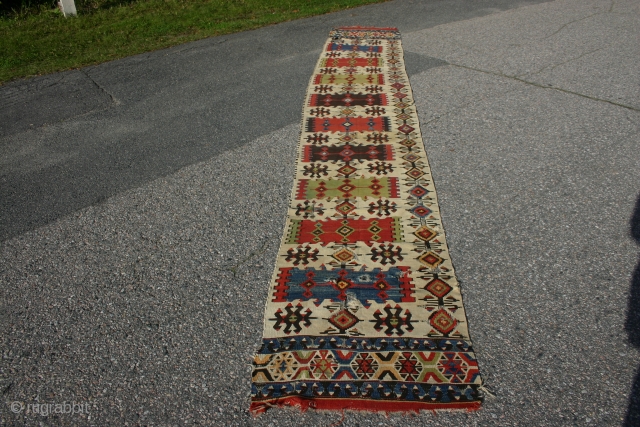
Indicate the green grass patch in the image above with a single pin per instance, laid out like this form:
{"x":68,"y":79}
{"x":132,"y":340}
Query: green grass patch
{"x":37,"y":40}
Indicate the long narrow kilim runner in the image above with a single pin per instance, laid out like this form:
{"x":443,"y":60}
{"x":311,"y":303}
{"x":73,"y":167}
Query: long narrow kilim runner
{"x":364,"y":311}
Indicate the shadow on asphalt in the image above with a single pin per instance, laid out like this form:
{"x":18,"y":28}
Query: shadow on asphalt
{"x":176,"y":107}
{"x":632,"y":324}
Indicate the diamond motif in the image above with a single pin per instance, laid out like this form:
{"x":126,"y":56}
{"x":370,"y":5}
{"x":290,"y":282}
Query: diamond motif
{"x":421,"y":211}
{"x":345,"y":230}
{"x":438,"y":287}
{"x":425,"y":233}
{"x":344,"y":255}
{"x":430,"y":259}
{"x":346,"y":138}
{"x":418,"y":191}
{"x":411,"y":157}
{"x":347,"y":170}
{"x":382,"y":285}
{"x":347,"y":152}
{"x":345,"y":208}
{"x":347,"y":188}
{"x":403,"y":116}
{"x":375,"y":229}
{"x":442,"y":321}
{"x":308,"y":284}
{"x":415,"y":173}
{"x":343,"y":320}
{"x":343,"y":284}
{"x":405,"y":128}
{"x":407,"y":142}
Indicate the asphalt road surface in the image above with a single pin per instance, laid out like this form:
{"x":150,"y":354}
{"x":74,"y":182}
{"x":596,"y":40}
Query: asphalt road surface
{"x":142,"y":203}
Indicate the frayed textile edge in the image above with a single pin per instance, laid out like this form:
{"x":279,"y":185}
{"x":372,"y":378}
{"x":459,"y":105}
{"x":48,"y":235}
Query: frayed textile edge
{"x":368,"y":28}
{"x":303,"y":405}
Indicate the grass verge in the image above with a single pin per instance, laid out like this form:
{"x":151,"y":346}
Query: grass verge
{"x":41,"y":41}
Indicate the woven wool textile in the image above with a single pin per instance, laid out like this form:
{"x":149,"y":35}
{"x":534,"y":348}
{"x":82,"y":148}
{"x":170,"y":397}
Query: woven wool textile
{"x":364,"y":311}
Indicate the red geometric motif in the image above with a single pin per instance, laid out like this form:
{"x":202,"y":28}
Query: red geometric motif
{"x":351,"y":62}
{"x":438,"y":287}
{"x":347,"y":153}
{"x":347,"y":100}
{"x":408,"y":365}
{"x":346,"y":230}
{"x":370,"y":78}
{"x":281,"y":289}
{"x":442,"y":321}
{"x":365,"y":365}
{"x":348,"y":124}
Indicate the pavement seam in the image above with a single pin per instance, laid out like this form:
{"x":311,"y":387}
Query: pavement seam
{"x":458,"y":108}
{"x":114,"y":100}
{"x":569,"y":23}
{"x":234,"y":269}
{"x":553,"y":66}
{"x":593,"y":98}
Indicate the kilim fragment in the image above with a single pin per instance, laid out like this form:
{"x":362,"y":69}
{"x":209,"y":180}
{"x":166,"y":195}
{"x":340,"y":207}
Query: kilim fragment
{"x":364,"y":310}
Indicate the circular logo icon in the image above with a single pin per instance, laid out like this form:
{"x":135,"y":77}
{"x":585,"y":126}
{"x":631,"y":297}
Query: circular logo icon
{"x":16,"y":407}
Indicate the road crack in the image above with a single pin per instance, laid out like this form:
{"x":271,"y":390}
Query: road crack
{"x":102,"y":89}
{"x":554,"y":66}
{"x":539,"y":85}
{"x":569,"y":23}
{"x":239,"y":264}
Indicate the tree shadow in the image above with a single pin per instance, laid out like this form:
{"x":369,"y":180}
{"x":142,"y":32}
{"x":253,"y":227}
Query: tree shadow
{"x":632,"y":324}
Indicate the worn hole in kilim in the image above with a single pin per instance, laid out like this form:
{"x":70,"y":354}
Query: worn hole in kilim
{"x":364,"y":310}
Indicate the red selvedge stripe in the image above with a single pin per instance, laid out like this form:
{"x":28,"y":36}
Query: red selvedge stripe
{"x":280,"y":294}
